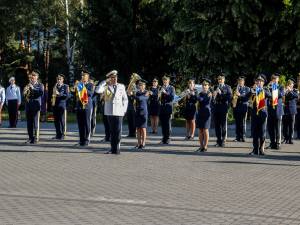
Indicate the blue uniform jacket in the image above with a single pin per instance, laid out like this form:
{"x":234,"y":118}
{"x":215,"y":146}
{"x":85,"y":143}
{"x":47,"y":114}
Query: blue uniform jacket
{"x":141,"y":103}
{"x":290,"y":106}
{"x":278,"y":109}
{"x":204,"y":104}
{"x":61,"y":99}
{"x":90,"y":92}
{"x":243,"y":99}
{"x":166,"y":100}
{"x":35,"y":99}
{"x":222,"y":101}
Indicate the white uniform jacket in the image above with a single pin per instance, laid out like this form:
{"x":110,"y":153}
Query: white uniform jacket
{"x":116,"y":100}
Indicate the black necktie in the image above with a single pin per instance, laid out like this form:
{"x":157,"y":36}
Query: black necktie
{"x":115,"y":87}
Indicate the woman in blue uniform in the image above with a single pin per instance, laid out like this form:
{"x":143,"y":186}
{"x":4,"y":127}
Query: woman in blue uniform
{"x":190,"y":110}
{"x":141,"y":114}
{"x":290,"y":110}
{"x":154,"y":106}
{"x":204,"y":114}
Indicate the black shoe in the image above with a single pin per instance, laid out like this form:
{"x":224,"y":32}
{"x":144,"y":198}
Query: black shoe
{"x":243,"y":140}
{"x":261,"y":153}
{"x":199,"y":149}
{"x":291,"y":142}
{"x":108,"y":152}
{"x":253,"y":153}
{"x":217,"y":145}
{"x":236,"y":140}
{"x":203,"y":150}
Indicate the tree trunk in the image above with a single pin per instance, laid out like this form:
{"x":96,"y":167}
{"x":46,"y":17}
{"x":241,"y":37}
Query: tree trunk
{"x":28,"y":47}
{"x":22,"y":42}
{"x":70,"y":51}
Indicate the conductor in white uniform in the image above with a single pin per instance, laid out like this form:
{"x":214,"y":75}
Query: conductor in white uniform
{"x":115,"y":107}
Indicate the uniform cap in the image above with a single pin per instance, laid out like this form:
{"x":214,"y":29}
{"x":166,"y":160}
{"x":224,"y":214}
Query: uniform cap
{"x":206,"y":80}
{"x":112,"y":73}
{"x":261,"y":77}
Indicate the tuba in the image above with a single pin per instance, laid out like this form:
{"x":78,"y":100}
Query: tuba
{"x":133,"y":79}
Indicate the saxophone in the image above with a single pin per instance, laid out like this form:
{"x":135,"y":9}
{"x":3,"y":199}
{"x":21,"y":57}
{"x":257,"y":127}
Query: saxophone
{"x":27,"y":91}
{"x":235,"y":97}
{"x":54,"y":94}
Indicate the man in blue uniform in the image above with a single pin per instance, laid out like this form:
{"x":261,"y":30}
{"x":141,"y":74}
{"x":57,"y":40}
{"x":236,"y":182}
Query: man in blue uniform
{"x":84,"y":105}
{"x":60,"y":96}
{"x":240,"y":104}
{"x":221,"y":102}
{"x":130,"y":114}
{"x":166,"y":96}
{"x":275,"y":111}
{"x":290,"y":110}
{"x":259,"y":114}
{"x":33,"y":93}
{"x":298,"y":110}
{"x":95,"y":99}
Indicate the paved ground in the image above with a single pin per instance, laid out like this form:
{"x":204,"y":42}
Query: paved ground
{"x":57,"y":183}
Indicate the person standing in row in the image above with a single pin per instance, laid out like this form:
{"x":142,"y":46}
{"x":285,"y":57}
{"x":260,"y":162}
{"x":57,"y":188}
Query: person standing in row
{"x":130,"y":114}
{"x":166,"y":97}
{"x":259,"y":114}
{"x":240,"y":103}
{"x":298,"y":110}
{"x":13,"y":100}
{"x":104,"y":117}
{"x":141,"y":114}
{"x":33,"y":93}
{"x":221,"y":102}
{"x":2,"y":101}
{"x":115,"y":107}
{"x":60,"y":96}
{"x":275,"y":111}
{"x":190,"y":109}
{"x":154,"y":106}
{"x":95,"y":99}
{"x":290,"y":110}
{"x":204,"y":115}
{"x":84,"y":92}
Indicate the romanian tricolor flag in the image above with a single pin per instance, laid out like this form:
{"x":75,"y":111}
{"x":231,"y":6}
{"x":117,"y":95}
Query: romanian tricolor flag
{"x":260,"y":99}
{"x":274,"y":94}
{"x":82,"y":93}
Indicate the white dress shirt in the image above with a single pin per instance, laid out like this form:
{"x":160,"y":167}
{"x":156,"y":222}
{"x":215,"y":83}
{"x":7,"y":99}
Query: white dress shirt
{"x":2,"y":96}
{"x":13,"y":93}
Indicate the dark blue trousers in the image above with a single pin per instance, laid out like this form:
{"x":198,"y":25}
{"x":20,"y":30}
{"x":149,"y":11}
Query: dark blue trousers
{"x":220,"y":119}
{"x":59,"y":121}
{"x":12,"y":106}
{"x":84,"y":125}
{"x":115,"y":126}
{"x":33,"y":117}
{"x":165,"y":121}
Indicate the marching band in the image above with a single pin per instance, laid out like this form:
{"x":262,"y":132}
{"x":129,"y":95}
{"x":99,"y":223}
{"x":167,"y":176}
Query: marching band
{"x":273,"y":108}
